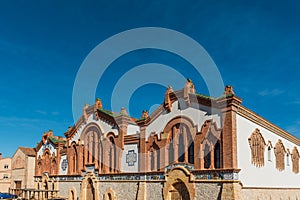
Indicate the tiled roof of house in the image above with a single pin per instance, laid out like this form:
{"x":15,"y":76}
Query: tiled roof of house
{"x":28,"y":151}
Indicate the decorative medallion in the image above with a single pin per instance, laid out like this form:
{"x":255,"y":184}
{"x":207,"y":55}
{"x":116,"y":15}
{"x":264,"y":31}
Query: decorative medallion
{"x":64,"y":164}
{"x":131,"y":158}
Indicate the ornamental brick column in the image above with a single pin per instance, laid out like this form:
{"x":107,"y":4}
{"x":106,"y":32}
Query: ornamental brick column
{"x":80,"y":164}
{"x":90,"y":145}
{"x":212,"y":157}
{"x":229,"y":105}
{"x":175,"y":145}
{"x":143,"y":150}
{"x":96,"y":150}
{"x":201,"y":157}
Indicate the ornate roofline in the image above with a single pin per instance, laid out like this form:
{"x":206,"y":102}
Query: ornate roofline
{"x":250,"y":115}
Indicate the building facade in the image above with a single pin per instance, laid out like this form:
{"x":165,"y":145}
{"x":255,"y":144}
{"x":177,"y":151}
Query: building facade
{"x":23,"y":169}
{"x":191,"y":147}
{"x":5,"y":173}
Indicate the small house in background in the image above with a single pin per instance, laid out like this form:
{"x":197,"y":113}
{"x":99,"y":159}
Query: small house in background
{"x":5,"y":173}
{"x":23,"y":169}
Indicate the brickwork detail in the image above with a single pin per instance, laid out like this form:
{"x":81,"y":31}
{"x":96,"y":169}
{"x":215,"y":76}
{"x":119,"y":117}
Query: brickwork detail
{"x":295,"y":160}
{"x":280,"y":152}
{"x":257,"y":145}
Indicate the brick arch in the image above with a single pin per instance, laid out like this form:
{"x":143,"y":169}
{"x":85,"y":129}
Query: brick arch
{"x":179,"y":120}
{"x":179,"y":175}
{"x":91,"y":126}
{"x":91,"y":137}
{"x":111,"y":134}
{"x":208,"y":146}
{"x":257,"y":145}
{"x":210,"y":129}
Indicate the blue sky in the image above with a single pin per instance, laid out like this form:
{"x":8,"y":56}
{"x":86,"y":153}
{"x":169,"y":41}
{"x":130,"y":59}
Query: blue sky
{"x":256,"y":46}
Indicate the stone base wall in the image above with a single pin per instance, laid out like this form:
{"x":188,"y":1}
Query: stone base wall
{"x":270,"y":194}
{"x":208,"y":191}
{"x":65,"y":187}
{"x":123,"y":190}
{"x":154,"y":190}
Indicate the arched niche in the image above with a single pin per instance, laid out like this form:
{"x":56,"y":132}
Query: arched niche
{"x":110,"y":194}
{"x":89,"y":187}
{"x":179,"y":185}
{"x":72,"y":194}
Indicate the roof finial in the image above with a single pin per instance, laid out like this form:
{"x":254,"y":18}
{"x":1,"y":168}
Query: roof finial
{"x":123,"y":111}
{"x":98,"y":104}
{"x":145,"y":114}
{"x":228,"y":90}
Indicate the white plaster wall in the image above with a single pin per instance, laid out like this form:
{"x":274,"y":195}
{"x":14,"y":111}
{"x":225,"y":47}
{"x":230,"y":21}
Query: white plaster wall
{"x":133,"y":129}
{"x":30,"y":172}
{"x":196,"y":113}
{"x":268,"y":175}
{"x":48,"y":146}
{"x":104,"y":127}
{"x":61,"y":171}
{"x":125,"y":167}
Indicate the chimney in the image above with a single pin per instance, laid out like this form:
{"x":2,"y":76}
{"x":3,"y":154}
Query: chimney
{"x":0,"y":156}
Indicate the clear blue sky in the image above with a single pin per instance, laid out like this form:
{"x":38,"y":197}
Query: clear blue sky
{"x":255,"y":44}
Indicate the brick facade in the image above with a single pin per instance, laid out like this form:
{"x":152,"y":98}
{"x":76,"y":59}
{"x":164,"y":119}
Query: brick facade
{"x":188,"y":159}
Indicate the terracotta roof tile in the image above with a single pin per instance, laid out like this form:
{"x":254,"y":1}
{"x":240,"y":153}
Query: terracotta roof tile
{"x":28,"y":151}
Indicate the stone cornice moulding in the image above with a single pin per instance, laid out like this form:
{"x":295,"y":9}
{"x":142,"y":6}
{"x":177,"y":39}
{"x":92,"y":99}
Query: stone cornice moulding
{"x":246,"y":113}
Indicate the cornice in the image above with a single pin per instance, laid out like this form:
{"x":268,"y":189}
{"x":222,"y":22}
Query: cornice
{"x":246,"y":113}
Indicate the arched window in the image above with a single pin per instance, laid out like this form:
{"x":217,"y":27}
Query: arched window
{"x":171,"y":148}
{"x":269,"y":154}
{"x":181,"y":146}
{"x":211,"y":150}
{"x":112,"y":157}
{"x":191,"y":153}
{"x":100,"y":156}
{"x":287,"y":159}
{"x":74,"y":160}
{"x":91,"y":143}
{"x":257,"y":145}
{"x":53,"y":167}
{"x":295,"y":160}
{"x":155,"y":157}
{"x":279,"y":151}
{"x":152,"y":160}
{"x":217,"y":155}
{"x":39,"y":167}
{"x":47,"y":162}
{"x":207,"y":157}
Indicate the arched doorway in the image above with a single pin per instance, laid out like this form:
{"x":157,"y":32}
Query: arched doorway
{"x":178,"y":185}
{"x":89,"y":187}
{"x":90,"y":190}
{"x":179,"y":192}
